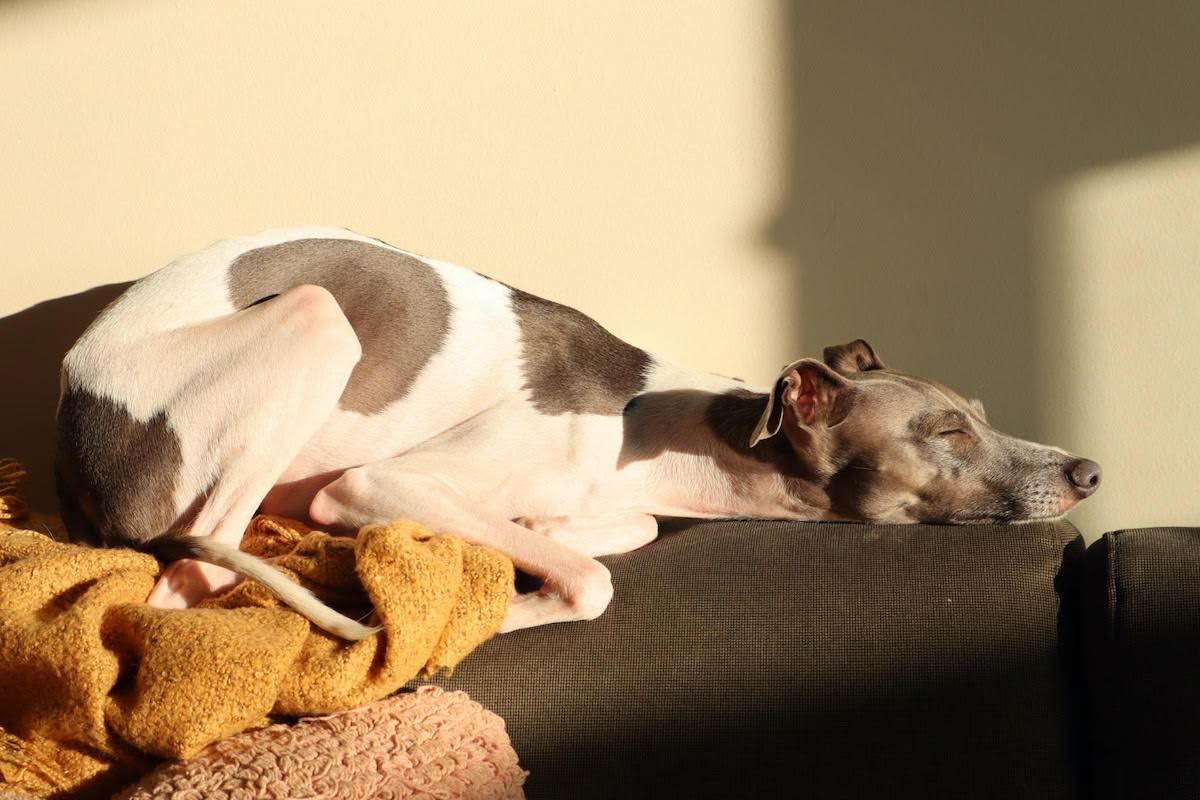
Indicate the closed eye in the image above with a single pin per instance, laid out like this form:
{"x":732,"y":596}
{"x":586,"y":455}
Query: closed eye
{"x":935,"y":424}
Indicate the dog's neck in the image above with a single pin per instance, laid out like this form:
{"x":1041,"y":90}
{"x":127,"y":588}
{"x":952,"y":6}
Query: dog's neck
{"x":698,"y":441}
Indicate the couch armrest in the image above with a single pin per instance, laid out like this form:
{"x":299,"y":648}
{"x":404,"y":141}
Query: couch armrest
{"x":825,"y":660}
{"x":1143,"y":597}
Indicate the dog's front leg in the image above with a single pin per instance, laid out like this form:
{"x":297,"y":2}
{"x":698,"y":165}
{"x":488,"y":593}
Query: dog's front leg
{"x":598,"y":535}
{"x":575,"y":587}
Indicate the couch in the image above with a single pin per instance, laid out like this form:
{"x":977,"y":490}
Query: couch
{"x":775,"y":659}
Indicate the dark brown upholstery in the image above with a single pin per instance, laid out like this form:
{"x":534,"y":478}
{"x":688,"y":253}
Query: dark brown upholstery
{"x":760,"y":659}
{"x":1144,"y":658}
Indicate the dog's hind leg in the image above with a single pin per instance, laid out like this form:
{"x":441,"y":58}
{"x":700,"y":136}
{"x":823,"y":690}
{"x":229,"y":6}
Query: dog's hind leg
{"x":575,"y":586}
{"x":262,"y":381}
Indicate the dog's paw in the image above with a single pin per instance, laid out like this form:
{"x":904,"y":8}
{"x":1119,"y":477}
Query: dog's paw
{"x":583,"y":595}
{"x":184,"y":583}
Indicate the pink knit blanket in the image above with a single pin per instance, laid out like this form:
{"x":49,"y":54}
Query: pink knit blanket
{"x":427,"y":744}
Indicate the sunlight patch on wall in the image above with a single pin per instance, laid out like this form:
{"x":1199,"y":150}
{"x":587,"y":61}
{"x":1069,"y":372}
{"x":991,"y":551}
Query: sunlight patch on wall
{"x":1119,"y":334}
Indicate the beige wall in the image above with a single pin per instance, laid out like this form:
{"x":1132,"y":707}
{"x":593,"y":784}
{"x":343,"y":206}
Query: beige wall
{"x":1120,"y":324}
{"x":1005,"y":199}
{"x":605,"y":162}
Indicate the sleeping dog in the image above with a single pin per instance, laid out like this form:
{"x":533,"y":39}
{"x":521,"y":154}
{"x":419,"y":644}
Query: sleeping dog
{"x":330,"y":377}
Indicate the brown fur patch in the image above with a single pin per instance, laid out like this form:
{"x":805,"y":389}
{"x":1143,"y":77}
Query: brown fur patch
{"x":573,"y":365}
{"x":732,"y":416}
{"x":396,"y":304}
{"x":116,"y":475}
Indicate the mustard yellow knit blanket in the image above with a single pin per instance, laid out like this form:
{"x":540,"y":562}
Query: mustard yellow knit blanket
{"x":96,"y":685}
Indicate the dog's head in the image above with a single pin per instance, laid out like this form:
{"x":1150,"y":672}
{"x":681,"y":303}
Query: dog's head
{"x":892,"y":447}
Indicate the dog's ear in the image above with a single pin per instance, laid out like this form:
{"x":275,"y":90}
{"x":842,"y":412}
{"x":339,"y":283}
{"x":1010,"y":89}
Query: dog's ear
{"x":814,"y":393}
{"x":858,"y":356}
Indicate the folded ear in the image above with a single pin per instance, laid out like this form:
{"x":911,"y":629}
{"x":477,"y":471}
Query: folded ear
{"x":814,"y":393}
{"x":858,"y":356}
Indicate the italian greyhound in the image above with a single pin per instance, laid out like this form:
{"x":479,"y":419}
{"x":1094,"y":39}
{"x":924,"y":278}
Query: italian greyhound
{"x":332,"y":378}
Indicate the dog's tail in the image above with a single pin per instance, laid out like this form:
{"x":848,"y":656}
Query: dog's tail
{"x":203,"y":548}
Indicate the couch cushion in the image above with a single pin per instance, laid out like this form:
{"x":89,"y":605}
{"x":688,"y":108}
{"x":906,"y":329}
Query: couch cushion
{"x":1144,"y":656}
{"x":826,"y":660}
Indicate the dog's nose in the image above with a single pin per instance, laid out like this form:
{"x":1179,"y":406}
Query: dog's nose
{"x":1084,"y":475}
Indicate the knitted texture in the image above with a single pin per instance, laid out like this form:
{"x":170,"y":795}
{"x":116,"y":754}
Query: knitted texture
{"x":95,"y":682}
{"x":13,"y":506}
{"x":12,"y":496}
{"x":429,"y":744}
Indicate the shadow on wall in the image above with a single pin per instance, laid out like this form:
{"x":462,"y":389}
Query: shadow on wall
{"x":35,"y":341}
{"x":920,"y":136}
